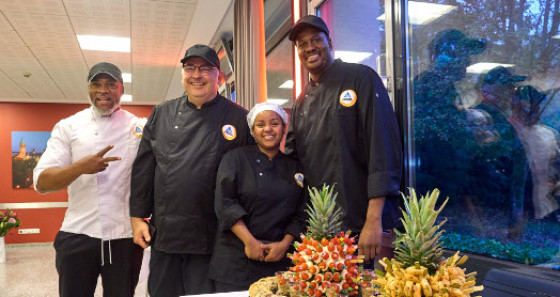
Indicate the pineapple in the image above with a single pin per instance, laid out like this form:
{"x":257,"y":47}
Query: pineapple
{"x":324,"y":262}
{"x":324,"y":217}
{"x":417,"y":269}
{"x":420,"y":241}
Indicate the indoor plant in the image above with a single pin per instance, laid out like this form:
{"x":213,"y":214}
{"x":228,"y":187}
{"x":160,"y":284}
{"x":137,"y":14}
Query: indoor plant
{"x":8,"y":220}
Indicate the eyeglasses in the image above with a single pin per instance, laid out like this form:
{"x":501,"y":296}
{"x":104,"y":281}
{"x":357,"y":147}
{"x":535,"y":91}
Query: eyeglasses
{"x":315,"y":41}
{"x":111,"y":85}
{"x":203,"y":69}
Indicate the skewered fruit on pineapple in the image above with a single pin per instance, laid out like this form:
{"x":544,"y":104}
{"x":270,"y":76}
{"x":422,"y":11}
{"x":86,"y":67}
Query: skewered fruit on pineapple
{"x":366,"y":280}
{"x":416,"y":269}
{"x":324,"y":262}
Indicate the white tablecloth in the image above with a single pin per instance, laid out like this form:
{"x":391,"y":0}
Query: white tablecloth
{"x":229,"y":294}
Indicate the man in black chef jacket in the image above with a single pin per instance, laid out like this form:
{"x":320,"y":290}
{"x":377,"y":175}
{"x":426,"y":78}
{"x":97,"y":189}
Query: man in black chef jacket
{"x":174,"y":176}
{"x":345,"y":133}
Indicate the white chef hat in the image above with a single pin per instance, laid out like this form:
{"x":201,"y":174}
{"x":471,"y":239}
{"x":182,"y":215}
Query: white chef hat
{"x":260,"y":107}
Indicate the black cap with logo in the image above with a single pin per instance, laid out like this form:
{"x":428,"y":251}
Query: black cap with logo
{"x":204,"y":52}
{"x":105,"y":68}
{"x":308,"y":21}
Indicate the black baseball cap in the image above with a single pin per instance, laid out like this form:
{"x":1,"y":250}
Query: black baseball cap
{"x":502,"y":75}
{"x":105,"y":68}
{"x":454,"y":39}
{"x":204,"y":52}
{"x":308,"y":21}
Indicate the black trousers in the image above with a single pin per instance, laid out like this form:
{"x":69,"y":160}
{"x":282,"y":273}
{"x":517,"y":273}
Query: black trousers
{"x":173,"y":275}
{"x":79,"y":264}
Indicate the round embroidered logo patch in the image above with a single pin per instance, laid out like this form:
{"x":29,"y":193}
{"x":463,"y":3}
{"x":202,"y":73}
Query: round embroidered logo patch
{"x":299,"y":179}
{"x":229,"y":132}
{"x":348,"y":98}
{"x":137,"y":130}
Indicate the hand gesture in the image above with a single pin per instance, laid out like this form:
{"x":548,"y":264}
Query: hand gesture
{"x":276,"y":251}
{"x":97,"y":162}
{"x":254,"y":251}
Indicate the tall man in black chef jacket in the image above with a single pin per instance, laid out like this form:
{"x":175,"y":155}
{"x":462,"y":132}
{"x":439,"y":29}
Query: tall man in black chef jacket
{"x":174,"y":176}
{"x":345,"y":133}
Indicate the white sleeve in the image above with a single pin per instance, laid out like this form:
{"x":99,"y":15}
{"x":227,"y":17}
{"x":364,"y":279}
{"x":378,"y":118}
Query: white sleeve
{"x":58,"y":153}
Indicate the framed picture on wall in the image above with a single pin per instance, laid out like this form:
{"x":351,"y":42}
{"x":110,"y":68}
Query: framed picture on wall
{"x":27,"y":148}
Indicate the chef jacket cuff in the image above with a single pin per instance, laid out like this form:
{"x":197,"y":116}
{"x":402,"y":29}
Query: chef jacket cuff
{"x":137,"y":212}
{"x":233,"y":214}
{"x":383,"y":184}
{"x":295,"y":229}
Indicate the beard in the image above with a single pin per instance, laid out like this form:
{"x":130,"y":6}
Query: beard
{"x":108,"y":112}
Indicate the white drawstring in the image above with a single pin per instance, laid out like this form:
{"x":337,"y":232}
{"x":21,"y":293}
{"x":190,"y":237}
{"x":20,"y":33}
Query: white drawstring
{"x":110,"y":258}
{"x":102,"y":255}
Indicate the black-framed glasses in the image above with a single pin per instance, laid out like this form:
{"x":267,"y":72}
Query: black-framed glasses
{"x":203,"y":69}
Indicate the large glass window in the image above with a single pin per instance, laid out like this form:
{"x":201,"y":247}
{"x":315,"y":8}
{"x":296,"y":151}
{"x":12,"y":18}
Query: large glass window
{"x":484,"y":78}
{"x":279,"y":73}
{"x":357,"y":36}
{"x":357,"y":31}
{"x":279,"y":56}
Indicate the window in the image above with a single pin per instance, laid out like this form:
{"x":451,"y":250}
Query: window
{"x":279,"y":54}
{"x":356,"y":34}
{"x":484,"y":79}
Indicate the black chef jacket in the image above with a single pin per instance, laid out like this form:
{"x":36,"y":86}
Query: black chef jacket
{"x":174,"y":173}
{"x":270,"y":198}
{"x":345,"y":133}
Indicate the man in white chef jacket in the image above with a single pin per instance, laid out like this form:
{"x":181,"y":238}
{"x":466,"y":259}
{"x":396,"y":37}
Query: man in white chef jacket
{"x":91,"y":154}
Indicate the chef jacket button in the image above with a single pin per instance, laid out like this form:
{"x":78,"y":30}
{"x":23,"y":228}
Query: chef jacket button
{"x":179,"y":112}
{"x":260,"y":173}
{"x":96,"y":133}
{"x":258,"y":160}
{"x":176,"y":127}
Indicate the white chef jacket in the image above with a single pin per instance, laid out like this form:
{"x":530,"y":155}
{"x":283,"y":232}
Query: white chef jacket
{"x":98,"y":204}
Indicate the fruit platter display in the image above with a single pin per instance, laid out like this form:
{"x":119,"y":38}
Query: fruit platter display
{"x":325,"y":261}
{"x":418,"y":268}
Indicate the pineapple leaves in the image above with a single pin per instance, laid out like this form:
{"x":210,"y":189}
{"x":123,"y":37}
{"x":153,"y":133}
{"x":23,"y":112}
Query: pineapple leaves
{"x":420,"y":242}
{"x":325,"y":218}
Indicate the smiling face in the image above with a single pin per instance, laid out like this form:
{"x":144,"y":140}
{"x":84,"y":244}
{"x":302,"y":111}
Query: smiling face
{"x":201,"y":86}
{"x":105,"y":94}
{"x":268,"y":130}
{"x":314,"y":51}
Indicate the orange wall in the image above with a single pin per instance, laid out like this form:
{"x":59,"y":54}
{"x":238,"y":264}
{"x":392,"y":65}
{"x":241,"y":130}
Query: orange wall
{"x":36,"y":117}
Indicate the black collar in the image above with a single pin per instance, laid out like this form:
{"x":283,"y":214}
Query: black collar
{"x":205,"y":105}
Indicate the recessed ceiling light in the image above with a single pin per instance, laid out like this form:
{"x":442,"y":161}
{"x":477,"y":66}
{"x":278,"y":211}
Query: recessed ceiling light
{"x":485,"y":67}
{"x":556,"y":36}
{"x":126,"y":98}
{"x":104,"y":43}
{"x":289,"y":84}
{"x":127,"y":77}
{"x":351,"y":57}
{"x":277,"y":101}
{"x":421,"y":13}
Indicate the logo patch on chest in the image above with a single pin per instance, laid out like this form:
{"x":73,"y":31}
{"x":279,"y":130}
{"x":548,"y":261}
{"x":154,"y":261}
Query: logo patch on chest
{"x":299,"y":179}
{"x":348,"y":98}
{"x":137,"y":130}
{"x":229,"y":132}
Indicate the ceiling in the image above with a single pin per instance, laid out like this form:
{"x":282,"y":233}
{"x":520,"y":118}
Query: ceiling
{"x":41,"y":59}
